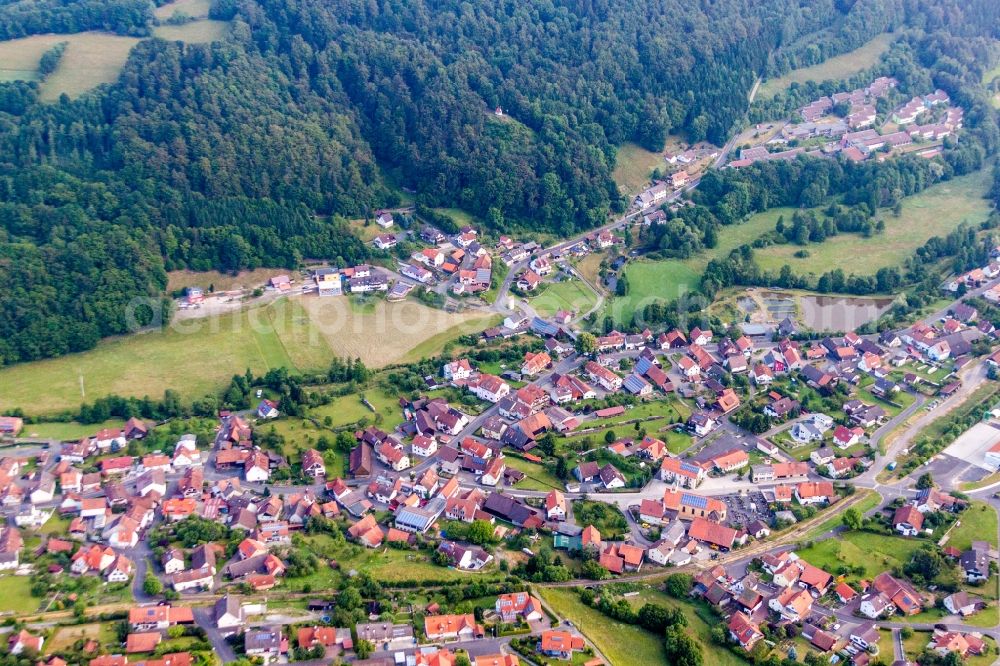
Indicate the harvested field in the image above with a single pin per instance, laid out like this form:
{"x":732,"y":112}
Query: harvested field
{"x":387,"y":333}
{"x":91,"y":58}
{"x":194,"y":32}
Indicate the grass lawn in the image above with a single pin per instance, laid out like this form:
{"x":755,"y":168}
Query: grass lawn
{"x":633,"y":166}
{"x":667,"y":279}
{"x":568,"y":294}
{"x":916,"y":644}
{"x":981,"y":483}
{"x":194,"y":32}
{"x":17,"y":592}
{"x":300,"y":435}
{"x":668,"y":408}
{"x":700,"y":622}
{"x":57,"y":525}
{"x":874,"y":552}
{"x":385,"y":564}
{"x":933,"y":212}
{"x":839,"y":67}
{"x":66,"y":431}
{"x":64,"y":637}
{"x":349,"y":409}
{"x":605,"y":517}
{"x":539,"y":478}
{"x":433,"y":345}
{"x":590,"y":266}
{"x":977,"y":523}
{"x":863,"y":506}
{"x":460,"y":217}
{"x":620,"y":643}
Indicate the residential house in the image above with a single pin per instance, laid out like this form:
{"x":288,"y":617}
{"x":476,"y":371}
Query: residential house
{"x":452,"y":627}
{"x":560,"y":644}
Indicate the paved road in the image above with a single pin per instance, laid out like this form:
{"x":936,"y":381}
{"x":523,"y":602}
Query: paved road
{"x":203,"y":616}
{"x":897,"y":646}
{"x":973,"y":376}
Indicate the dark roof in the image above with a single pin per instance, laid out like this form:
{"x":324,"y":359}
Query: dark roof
{"x":361,"y":460}
{"x":507,"y":508}
{"x":227,"y":605}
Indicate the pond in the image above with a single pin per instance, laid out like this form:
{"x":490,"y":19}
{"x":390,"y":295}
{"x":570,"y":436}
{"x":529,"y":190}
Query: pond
{"x":825,"y":313}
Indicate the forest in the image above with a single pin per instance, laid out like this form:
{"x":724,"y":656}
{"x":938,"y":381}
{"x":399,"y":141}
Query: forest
{"x":251,"y":151}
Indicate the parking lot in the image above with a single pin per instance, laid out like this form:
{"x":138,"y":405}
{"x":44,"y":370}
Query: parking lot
{"x":745,"y":508}
{"x":718,"y":444}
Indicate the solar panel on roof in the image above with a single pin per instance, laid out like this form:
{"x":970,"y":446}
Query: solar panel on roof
{"x":695,"y":501}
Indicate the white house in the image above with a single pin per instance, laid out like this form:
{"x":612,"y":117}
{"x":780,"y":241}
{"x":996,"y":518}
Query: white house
{"x":875,"y":606}
{"x":424,"y":446}
{"x":489,"y":388}
{"x":460,"y":369}
{"x":555,"y":505}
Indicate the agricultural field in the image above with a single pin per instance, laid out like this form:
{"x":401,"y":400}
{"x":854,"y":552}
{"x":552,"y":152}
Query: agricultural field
{"x":839,"y":67}
{"x":193,"y":8}
{"x":90,"y":59}
{"x":19,"y":58}
{"x":670,"y":278}
{"x":571,"y":295}
{"x":199,"y":356}
{"x":194,"y":32}
{"x":432,"y":345}
{"x":934,"y":212}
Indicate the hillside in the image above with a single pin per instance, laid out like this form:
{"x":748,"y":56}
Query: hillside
{"x":233,"y":153}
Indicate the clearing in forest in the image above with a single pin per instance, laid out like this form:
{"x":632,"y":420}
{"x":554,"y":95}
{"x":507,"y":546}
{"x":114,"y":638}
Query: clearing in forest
{"x":933,"y":212}
{"x":839,"y":67}
{"x":193,"y":8}
{"x":193,"y":32}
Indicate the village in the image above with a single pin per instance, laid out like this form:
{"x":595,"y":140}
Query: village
{"x":820,"y":495}
{"x":711,"y":454}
